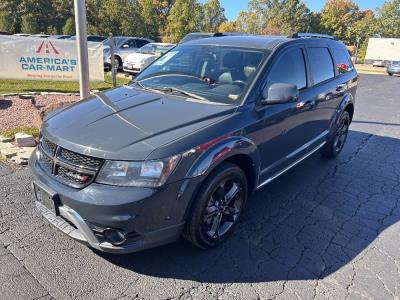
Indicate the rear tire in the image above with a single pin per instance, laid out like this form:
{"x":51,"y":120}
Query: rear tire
{"x":217,"y":207}
{"x":335,"y":145}
{"x":390,"y":74}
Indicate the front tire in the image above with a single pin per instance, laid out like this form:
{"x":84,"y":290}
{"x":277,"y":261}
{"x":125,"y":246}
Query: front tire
{"x":390,"y":74}
{"x":217,"y":207}
{"x":336,"y":143}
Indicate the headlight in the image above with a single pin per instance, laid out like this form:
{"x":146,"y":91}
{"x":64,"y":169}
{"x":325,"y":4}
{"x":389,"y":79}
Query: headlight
{"x":153,"y":173}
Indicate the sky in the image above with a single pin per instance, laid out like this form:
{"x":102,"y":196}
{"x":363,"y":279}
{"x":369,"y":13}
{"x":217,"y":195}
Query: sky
{"x":232,"y":7}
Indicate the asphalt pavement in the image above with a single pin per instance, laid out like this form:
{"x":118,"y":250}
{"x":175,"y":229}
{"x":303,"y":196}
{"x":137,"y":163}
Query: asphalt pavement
{"x":328,"y":229}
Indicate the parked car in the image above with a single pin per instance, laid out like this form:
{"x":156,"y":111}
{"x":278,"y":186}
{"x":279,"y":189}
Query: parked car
{"x":91,"y":38}
{"x":136,"y":62}
{"x":378,"y":63}
{"x":41,"y":35}
{"x":22,"y":34}
{"x":202,"y":35}
{"x":124,"y":45}
{"x":179,"y":151}
{"x":60,"y":37}
{"x":393,"y":68}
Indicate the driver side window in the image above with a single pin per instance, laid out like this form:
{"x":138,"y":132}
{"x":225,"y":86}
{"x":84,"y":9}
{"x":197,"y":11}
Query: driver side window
{"x":290,"y":68}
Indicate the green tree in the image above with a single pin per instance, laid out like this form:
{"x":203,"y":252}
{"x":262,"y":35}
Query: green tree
{"x":10,"y":16}
{"x":30,"y":24}
{"x":338,"y":17}
{"x":185,"y":17}
{"x":281,"y":16}
{"x":69,"y":27}
{"x":389,"y":19}
{"x":213,"y":16}
{"x":150,"y":16}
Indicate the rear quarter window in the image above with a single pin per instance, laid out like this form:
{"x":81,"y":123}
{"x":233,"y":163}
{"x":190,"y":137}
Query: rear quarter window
{"x":321,"y":64}
{"x":343,"y":63}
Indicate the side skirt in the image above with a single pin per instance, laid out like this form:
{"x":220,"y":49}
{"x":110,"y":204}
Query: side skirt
{"x":272,"y":178}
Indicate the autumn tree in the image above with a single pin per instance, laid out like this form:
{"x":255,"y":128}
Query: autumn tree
{"x":338,"y":16}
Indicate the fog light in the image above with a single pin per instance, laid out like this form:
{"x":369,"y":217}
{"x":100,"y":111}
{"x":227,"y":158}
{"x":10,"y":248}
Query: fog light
{"x":114,"y":236}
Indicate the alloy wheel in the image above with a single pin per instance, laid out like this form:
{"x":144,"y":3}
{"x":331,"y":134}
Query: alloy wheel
{"x":223,"y":208}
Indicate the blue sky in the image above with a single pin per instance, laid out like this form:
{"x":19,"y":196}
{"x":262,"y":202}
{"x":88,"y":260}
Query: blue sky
{"x":232,"y":7}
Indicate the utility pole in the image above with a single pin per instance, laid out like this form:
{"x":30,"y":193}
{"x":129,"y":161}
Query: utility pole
{"x":81,"y":39}
{"x":113,"y":69}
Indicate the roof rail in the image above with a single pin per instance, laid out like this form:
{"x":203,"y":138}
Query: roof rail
{"x":298,"y":35}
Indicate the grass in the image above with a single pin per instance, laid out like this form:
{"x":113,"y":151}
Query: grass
{"x":32,"y":130}
{"x":20,"y":86}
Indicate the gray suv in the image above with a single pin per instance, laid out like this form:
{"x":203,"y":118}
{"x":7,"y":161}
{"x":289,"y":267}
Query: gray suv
{"x":179,"y":150}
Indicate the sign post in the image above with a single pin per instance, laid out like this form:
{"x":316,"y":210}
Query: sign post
{"x":81,"y":38}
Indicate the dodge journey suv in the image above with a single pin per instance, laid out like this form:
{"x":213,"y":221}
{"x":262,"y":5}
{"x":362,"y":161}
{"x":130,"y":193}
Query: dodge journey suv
{"x":179,"y":150}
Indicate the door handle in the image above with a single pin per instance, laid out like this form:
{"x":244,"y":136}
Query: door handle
{"x":341,"y":87}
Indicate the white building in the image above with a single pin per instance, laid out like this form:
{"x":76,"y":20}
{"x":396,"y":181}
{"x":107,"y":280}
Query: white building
{"x":383,"y":49}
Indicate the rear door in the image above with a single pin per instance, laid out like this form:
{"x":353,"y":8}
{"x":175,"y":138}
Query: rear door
{"x":324,"y":88}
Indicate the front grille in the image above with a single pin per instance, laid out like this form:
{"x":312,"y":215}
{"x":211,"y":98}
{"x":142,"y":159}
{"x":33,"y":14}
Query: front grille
{"x":48,"y":147}
{"x":68,"y":167}
{"x":73,"y":177}
{"x":79,"y":159}
{"x":46,"y":162}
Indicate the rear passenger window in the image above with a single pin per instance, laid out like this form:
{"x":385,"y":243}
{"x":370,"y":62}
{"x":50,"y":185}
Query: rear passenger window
{"x":290,"y":68}
{"x":342,"y":60}
{"x":321,"y":64}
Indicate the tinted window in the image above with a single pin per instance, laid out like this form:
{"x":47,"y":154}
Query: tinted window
{"x":321,"y":64}
{"x":342,"y":61}
{"x":290,"y":68}
{"x":141,"y":43}
{"x":129,"y":44}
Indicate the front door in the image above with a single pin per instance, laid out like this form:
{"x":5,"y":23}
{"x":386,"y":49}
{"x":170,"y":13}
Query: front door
{"x":289,"y":130}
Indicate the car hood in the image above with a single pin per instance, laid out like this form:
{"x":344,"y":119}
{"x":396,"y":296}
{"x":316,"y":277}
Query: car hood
{"x":128,"y":124}
{"x":136,"y":57}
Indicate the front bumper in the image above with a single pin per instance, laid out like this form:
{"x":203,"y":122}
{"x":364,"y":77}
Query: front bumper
{"x":150,"y":217}
{"x":133,"y":68}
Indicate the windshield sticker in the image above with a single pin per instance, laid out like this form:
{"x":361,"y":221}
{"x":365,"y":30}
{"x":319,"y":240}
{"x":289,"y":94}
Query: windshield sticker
{"x":165,"y":58}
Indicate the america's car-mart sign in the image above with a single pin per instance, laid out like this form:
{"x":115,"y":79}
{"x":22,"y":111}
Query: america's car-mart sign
{"x":46,"y":59}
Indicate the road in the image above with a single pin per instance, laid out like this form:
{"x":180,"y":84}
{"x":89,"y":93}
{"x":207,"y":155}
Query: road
{"x":326,"y":229}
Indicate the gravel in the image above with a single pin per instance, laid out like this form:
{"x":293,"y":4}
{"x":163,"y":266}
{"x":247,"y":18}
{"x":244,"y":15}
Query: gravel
{"x":15,"y":112}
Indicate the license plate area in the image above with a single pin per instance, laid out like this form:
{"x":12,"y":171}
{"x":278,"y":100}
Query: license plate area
{"x":47,"y":198}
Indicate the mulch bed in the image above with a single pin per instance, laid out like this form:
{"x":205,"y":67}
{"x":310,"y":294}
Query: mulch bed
{"x":16,"y":112}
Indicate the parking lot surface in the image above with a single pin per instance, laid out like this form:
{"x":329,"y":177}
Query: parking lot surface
{"x":326,"y":229}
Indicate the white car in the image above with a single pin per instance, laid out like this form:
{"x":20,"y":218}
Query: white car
{"x":136,"y":62}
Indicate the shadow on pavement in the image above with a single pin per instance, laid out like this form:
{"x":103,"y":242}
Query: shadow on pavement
{"x":305,"y":225}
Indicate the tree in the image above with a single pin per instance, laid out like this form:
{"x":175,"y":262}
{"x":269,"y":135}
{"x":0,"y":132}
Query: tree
{"x":247,"y":22}
{"x":389,"y":19}
{"x":213,"y":16}
{"x":281,"y":16}
{"x":185,"y":17}
{"x":150,"y":16}
{"x":30,"y":24}
{"x":338,"y":16}
{"x":228,"y":27}
{"x":69,"y":27}
{"x":10,"y":16}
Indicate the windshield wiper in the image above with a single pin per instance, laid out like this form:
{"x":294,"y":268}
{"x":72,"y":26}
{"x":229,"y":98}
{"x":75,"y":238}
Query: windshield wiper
{"x":174,"y":90}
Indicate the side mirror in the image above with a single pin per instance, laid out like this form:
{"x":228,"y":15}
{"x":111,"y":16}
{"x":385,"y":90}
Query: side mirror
{"x":280,"y":93}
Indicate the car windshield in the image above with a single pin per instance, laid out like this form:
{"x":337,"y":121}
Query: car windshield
{"x":213,"y":73}
{"x":155,"y":49}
